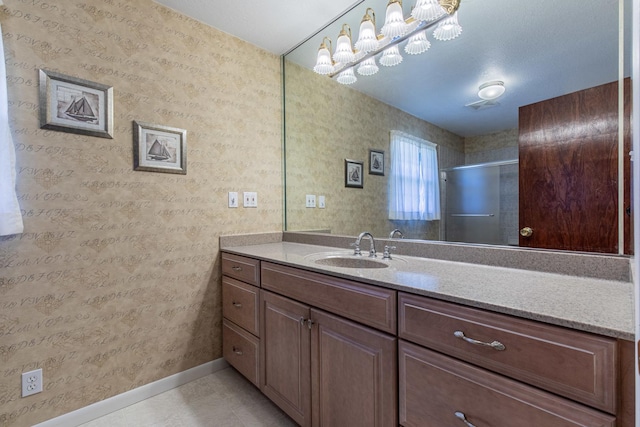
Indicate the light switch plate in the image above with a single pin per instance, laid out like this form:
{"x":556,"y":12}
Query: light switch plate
{"x":250,"y":199}
{"x":233,"y":199}
{"x":311,"y":201}
{"x":321,"y":202}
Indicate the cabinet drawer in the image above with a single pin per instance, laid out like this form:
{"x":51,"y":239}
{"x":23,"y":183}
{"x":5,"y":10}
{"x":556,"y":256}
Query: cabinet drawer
{"x":363,"y":303}
{"x":241,"y":268}
{"x":240,"y":304}
{"x":437,"y":390}
{"x":574,"y":364}
{"x":240,"y":349}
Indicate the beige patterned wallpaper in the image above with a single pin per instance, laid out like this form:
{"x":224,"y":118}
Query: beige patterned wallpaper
{"x":327,"y":123}
{"x":115,"y":281}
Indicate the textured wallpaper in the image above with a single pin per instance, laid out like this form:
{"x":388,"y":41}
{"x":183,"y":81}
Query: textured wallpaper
{"x":327,"y":123}
{"x":115,"y":281}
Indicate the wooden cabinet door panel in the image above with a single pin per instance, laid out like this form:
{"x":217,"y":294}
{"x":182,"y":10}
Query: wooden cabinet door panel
{"x":436,"y":390}
{"x":353,"y":374}
{"x":285,"y":373}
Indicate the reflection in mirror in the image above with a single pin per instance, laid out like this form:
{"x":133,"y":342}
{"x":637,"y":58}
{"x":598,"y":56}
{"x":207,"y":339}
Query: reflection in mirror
{"x":539,"y":50}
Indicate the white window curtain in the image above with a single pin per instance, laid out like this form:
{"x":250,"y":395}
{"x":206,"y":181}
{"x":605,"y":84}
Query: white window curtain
{"x":10,"y":216}
{"x":414,"y":188}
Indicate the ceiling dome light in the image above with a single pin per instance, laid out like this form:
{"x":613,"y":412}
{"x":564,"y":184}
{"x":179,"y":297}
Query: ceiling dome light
{"x":344,"y":51}
{"x":491,"y":90}
{"x":427,"y":10}
{"x":391,"y":56}
{"x":347,"y":77}
{"x":448,"y":29}
{"x":368,"y":67}
{"x":324,"y":63}
{"x":367,"y":39}
{"x":394,"y":23}
{"x":417,"y":44}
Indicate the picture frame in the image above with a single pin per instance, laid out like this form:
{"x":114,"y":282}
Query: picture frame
{"x":70,"y":104}
{"x":376,"y":162}
{"x":353,"y":173}
{"x":158,"y":148}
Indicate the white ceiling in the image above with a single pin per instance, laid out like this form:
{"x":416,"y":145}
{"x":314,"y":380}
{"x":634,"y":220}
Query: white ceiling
{"x":540,"y":49}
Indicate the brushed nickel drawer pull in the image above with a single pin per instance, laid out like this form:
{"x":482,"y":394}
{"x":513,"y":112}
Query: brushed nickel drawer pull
{"x":237,"y":351}
{"x":496,"y":345}
{"x":236,"y":268}
{"x":463,"y":418}
{"x":236,"y":304}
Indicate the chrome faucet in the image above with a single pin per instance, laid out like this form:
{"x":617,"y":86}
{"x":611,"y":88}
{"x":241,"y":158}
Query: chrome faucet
{"x":394,"y":232}
{"x":372,"y":249}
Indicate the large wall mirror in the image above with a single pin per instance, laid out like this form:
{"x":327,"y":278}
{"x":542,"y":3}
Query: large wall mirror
{"x":565,"y":58}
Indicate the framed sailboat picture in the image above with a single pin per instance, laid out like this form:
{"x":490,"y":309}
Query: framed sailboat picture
{"x":70,"y":104}
{"x":353,"y":173}
{"x":376,"y":162}
{"x":159,"y":148}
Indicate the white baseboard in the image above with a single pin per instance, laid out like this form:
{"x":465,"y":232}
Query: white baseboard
{"x":104,"y":407}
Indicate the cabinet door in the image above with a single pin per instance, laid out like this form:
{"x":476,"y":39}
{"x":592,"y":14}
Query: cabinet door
{"x":285,"y":374}
{"x":354,"y":377}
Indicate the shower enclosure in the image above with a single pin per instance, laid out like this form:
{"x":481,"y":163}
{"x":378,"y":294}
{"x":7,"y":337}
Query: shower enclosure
{"x":481,"y":203}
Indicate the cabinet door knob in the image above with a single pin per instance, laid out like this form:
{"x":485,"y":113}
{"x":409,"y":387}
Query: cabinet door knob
{"x":310,"y":323}
{"x":496,"y":345}
{"x":463,"y":418}
{"x":526,"y":232}
{"x":237,"y":351}
{"x":236,"y":304}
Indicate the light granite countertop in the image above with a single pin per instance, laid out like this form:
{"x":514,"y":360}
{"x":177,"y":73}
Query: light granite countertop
{"x":593,"y":305}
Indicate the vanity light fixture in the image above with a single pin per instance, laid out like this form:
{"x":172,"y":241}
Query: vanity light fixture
{"x":439,"y":14}
{"x":448,"y":29}
{"x":367,"y":39}
{"x":344,"y":51}
{"x":491,"y":90}
{"x":394,"y":23}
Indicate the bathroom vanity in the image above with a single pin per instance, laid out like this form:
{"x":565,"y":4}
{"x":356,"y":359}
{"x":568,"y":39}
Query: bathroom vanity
{"x":423,"y":342}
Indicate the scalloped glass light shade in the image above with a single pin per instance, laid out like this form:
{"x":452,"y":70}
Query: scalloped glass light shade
{"x":344,"y":51}
{"x":427,"y":10}
{"x":347,"y":77}
{"x":448,"y":29}
{"x":417,"y":44}
{"x":324,"y":65}
{"x":368,"y":67}
{"x":367,"y":40}
{"x":394,"y":24}
{"x":391,"y":56}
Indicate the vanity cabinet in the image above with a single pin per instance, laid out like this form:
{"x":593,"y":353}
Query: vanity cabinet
{"x":240,"y":323}
{"x":320,"y":368}
{"x":572,"y":371}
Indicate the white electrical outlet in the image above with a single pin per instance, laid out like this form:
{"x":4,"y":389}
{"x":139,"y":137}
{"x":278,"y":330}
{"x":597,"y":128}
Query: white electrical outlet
{"x":321,"y":203}
{"x":233,"y":199}
{"x":311,"y":201}
{"x":31,"y":382}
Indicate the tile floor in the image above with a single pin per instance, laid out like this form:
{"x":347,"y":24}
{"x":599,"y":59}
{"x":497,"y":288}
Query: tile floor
{"x":222,"y":399}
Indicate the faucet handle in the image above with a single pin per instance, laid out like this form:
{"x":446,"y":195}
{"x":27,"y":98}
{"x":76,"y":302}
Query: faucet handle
{"x":387,"y":252}
{"x":356,"y":248}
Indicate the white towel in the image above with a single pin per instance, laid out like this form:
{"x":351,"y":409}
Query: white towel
{"x":10,"y":216}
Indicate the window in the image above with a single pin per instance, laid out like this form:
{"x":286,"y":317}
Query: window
{"x":414,"y":190}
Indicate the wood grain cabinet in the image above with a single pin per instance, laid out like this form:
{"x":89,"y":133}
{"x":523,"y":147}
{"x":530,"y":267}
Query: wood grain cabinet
{"x":485,"y":368}
{"x":320,"y":368}
{"x":240,"y":327}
